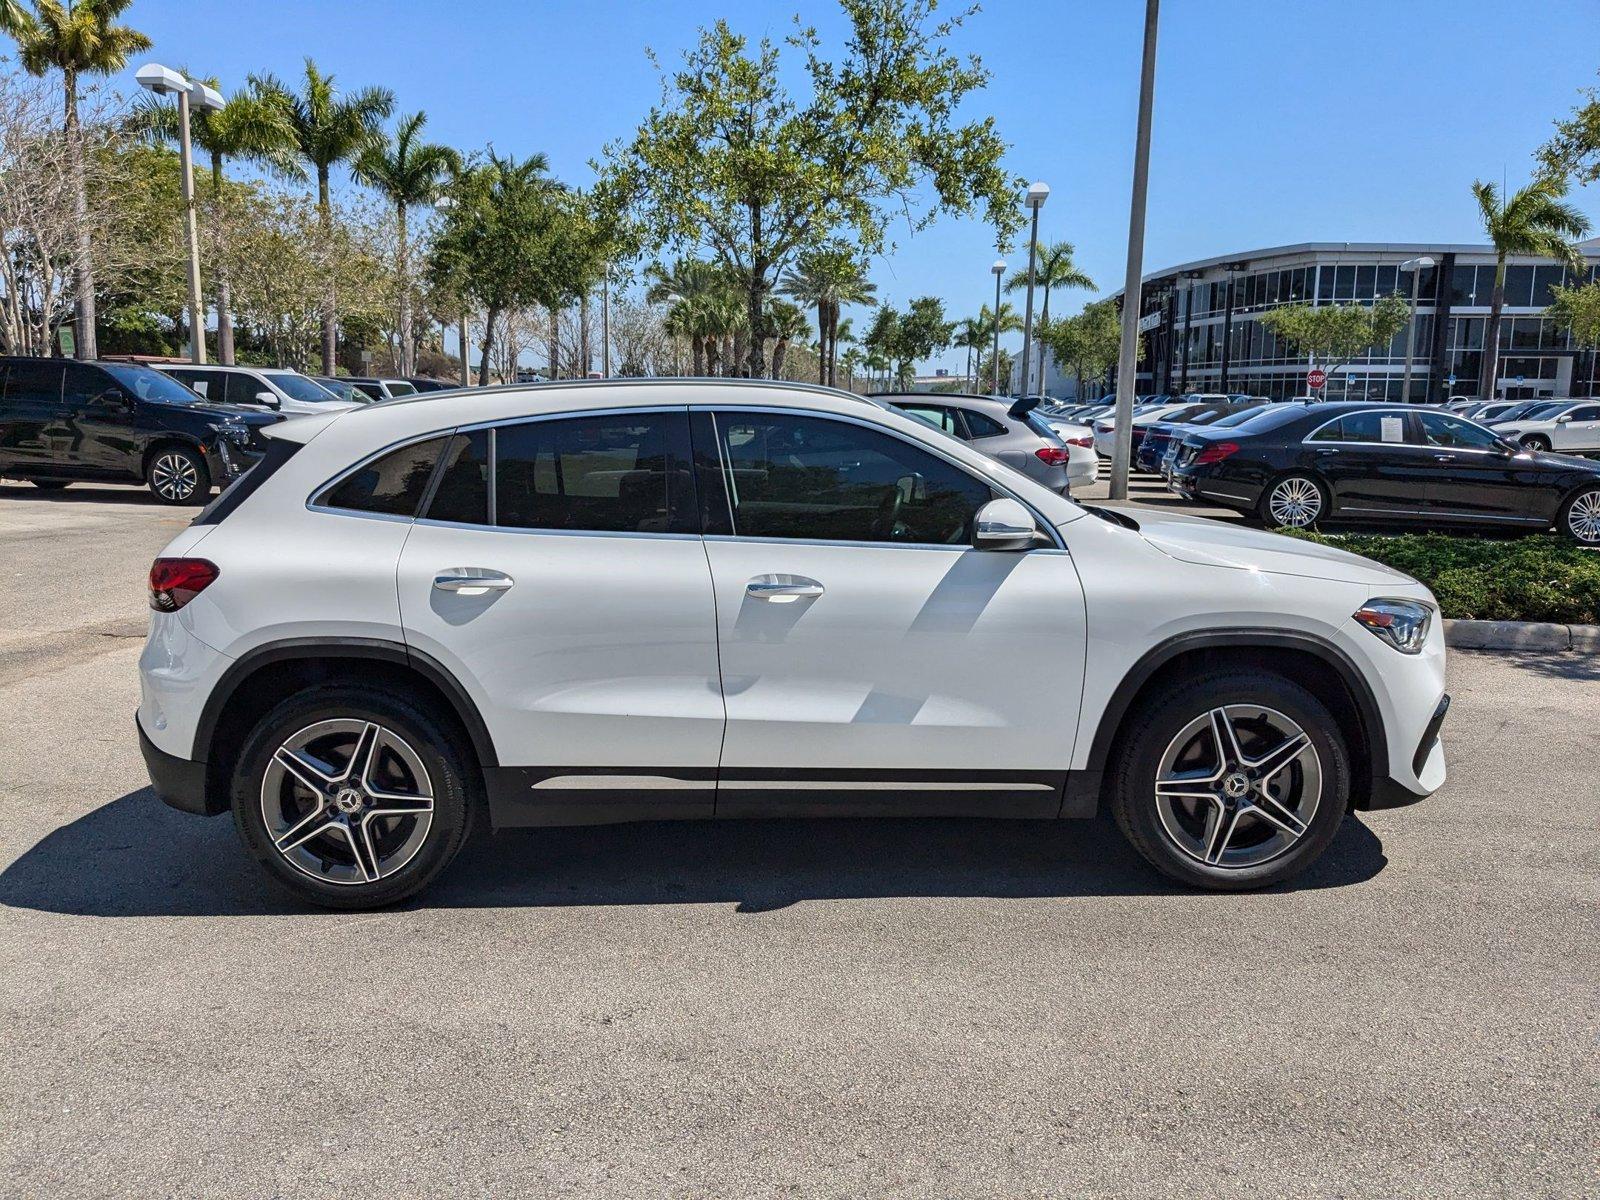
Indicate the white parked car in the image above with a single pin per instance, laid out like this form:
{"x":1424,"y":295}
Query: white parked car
{"x":1083,"y":462}
{"x":580,"y":603}
{"x":1563,"y":425}
{"x":288,"y":392}
{"x":1105,"y":428}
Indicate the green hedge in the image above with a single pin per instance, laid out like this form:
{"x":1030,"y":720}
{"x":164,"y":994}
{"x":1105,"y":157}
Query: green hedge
{"x":1543,"y":578}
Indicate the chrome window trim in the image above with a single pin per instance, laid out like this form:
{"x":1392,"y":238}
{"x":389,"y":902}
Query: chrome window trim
{"x":312,"y":502}
{"x":1312,"y":436}
{"x":713,"y":408}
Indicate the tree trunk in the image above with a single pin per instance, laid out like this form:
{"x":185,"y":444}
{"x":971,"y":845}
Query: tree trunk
{"x":220,"y":268}
{"x":585,"y":352}
{"x":461,"y":333}
{"x":822,"y":342}
{"x":83,"y":266}
{"x":780,"y":350}
{"x":755,"y":366}
{"x":833,"y":343}
{"x":713,"y":355}
{"x":1491,"y":337}
{"x":330,"y":298}
{"x":553,"y":349}
{"x":408,"y":358}
{"x":697,"y":357}
{"x":488,"y":346}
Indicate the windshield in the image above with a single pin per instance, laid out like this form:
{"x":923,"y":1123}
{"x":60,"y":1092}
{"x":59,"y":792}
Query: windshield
{"x":151,"y":385}
{"x":341,"y":389}
{"x":298,"y":387}
{"x":1241,"y":417}
{"x":399,"y":387}
{"x":1543,"y":412}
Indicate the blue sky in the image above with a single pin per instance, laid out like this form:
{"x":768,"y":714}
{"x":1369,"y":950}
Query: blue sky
{"x":1276,"y":121}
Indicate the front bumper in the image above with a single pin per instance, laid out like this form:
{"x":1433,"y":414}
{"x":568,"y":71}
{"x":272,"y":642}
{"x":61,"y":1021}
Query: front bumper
{"x":179,"y":783}
{"x":227,"y":460}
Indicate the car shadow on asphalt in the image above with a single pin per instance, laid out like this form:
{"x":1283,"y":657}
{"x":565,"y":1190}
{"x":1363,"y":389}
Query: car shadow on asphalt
{"x":135,"y":857}
{"x":133,"y":494}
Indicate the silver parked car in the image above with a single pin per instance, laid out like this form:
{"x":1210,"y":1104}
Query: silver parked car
{"x":1004,"y":429}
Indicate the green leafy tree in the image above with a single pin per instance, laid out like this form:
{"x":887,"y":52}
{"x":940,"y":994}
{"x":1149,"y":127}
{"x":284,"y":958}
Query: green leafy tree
{"x":1053,"y":268}
{"x":731,"y":160}
{"x":252,"y":125}
{"x":407,"y":172}
{"x":330,"y":128}
{"x":1575,"y":149}
{"x":1334,"y":334}
{"x":1577,"y":310}
{"x":1088,"y":343}
{"x":512,"y":237}
{"x":77,"y":38}
{"x":1533,"y":220}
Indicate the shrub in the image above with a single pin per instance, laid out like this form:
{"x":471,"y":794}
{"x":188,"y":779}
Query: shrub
{"x":1543,"y":578}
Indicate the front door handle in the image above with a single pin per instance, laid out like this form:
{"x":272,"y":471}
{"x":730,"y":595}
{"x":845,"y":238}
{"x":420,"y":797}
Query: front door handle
{"x":782,"y":587}
{"x":470,"y":581}
{"x":1444,"y":458}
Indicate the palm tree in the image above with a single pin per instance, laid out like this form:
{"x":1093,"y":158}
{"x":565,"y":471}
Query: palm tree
{"x":252,"y":125}
{"x":79,"y":37}
{"x":851,"y":360}
{"x":703,"y":306}
{"x":1010,"y":322}
{"x":827,"y":279}
{"x":1536,"y":221}
{"x":969,"y":336}
{"x":1053,"y":268}
{"x":784,"y":323}
{"x":408,"y":172}
{"x":329,"y":128}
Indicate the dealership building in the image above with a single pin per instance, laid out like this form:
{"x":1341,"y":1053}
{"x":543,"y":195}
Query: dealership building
{"x":1202,"y":331}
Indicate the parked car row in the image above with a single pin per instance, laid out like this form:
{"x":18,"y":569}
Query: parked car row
{"x":1014,"y":432}
{"x":177,"y":428}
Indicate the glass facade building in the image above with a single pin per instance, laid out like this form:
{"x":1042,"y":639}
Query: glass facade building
{"x":1203,"y":333}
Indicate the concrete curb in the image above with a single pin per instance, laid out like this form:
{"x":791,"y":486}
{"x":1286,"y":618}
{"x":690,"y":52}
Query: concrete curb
{"x":1521,"y":635}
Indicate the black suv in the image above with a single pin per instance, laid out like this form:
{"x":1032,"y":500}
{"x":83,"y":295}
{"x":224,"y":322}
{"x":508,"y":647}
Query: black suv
{"x":112,"y":422}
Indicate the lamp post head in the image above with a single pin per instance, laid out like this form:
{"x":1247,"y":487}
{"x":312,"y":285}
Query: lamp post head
{"x":164,"y":81}
{"x":203,"y":96}
{"x":1417,"y":264}
{"x":999,"y":267}
{"x":1038,"y":193}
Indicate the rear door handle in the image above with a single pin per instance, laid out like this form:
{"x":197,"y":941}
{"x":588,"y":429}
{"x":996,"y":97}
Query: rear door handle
{"x":782,"y":587}
{"x":472,"y":581}
{"x":1444,"y":458}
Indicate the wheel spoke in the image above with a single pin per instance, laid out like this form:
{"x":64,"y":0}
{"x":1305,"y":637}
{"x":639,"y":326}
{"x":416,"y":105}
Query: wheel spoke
{"x":1228,"y":752}
{"x":311,"y":775}
{"x":361,"y":847}
{"x":392,"y":804}
{"x":1273,"y":812}
{"x":1270,"y":764}
{"x":1219,"y":832}
{"x":363,"y":756}
{"x":317,"y":821}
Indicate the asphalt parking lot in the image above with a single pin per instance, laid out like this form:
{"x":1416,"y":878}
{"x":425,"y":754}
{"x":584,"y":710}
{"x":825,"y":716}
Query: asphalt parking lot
{"x":834,"y":1009}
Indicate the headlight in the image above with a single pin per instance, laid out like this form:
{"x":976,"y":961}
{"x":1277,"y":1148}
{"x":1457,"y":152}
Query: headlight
{"x":1401,"y":623}
{"x":237,"y":434}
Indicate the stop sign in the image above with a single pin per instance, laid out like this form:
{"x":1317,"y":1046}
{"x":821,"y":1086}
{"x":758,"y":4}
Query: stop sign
{"x":1316,"y":377}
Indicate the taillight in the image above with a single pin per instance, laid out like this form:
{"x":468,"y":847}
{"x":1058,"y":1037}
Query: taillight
{"x":1053,"y":456}
{"x":176,"y":581}
{"x":1215,"y":452}
{"x":1085,"y":442}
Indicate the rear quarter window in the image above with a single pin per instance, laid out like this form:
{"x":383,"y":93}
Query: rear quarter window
{"x":392,"y":484}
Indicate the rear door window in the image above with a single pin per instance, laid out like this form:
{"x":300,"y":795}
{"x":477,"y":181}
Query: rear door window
{"x":35,"y":383}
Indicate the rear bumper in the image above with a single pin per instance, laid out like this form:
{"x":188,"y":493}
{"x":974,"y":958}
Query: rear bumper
{"x":179,"y":783}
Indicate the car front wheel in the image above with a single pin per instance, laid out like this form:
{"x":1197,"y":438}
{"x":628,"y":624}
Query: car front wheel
{"x":1536,"y":442}
{"x":351,"y":798}
{"x":1235,"y":781}
{"x":1293,"y":502}
{"x":1580,"y":517}
{"x":177,"y":475}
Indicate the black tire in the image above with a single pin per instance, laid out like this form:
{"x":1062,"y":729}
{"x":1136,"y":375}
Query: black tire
{"x":448,"y":764}
{"x":1153,"y":728}
{"x":177,"y":475}
{"x":1579,"y":518}
{"x":1536,"y":442}
{"x":51,"y":485}
{"x":1299,"y":481}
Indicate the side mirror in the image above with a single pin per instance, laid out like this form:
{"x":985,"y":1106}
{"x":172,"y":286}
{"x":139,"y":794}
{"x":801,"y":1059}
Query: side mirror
{"x":1004,"y":524}
{"x":1563,"y":418}
{"x":113,"y":399}
{"x":270,"y":400}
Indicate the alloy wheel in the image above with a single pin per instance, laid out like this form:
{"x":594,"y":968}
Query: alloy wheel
{"x":1239,"y":785}
{"x":1583,"y":517}
{"x":347,"y":801}
{"x":1295,"y":503}
{"x":174,"y":476}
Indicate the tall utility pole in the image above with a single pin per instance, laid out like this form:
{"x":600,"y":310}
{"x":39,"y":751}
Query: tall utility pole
{"x":1416,"y":266}
{"x":1127,"y":360}
{"x":1038,"y":193}
{"x":999,"y":269}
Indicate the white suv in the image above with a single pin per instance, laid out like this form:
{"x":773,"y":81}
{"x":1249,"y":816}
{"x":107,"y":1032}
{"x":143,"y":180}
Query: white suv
{"x":1563,"y":425}
{"x":279,"y":388}
{"x":590,"y":602}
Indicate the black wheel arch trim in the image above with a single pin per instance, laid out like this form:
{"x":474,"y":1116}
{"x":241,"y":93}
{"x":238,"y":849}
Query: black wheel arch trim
{"x":166,"y":440}
{"x":1082,"y":794}
{"x":311,"y":648}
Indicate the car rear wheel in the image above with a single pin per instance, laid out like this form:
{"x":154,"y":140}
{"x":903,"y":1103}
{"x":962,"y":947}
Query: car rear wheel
{"x":1536,"y":442}
{"x":1580,"y":517}
{"x":1293,"y":502}
{"x":177,"y":475}
{"x":1232,"y":782}
{"x":351,"y":798}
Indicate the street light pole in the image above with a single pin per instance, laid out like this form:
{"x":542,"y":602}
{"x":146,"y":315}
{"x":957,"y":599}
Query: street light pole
{"x":1038,"y":193}
{"x":999,"y":269}
{"x":1416,"y":266}
{"x":1127,"y":359}
{"x":605,"y":322}
{"x":166,"y":82}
